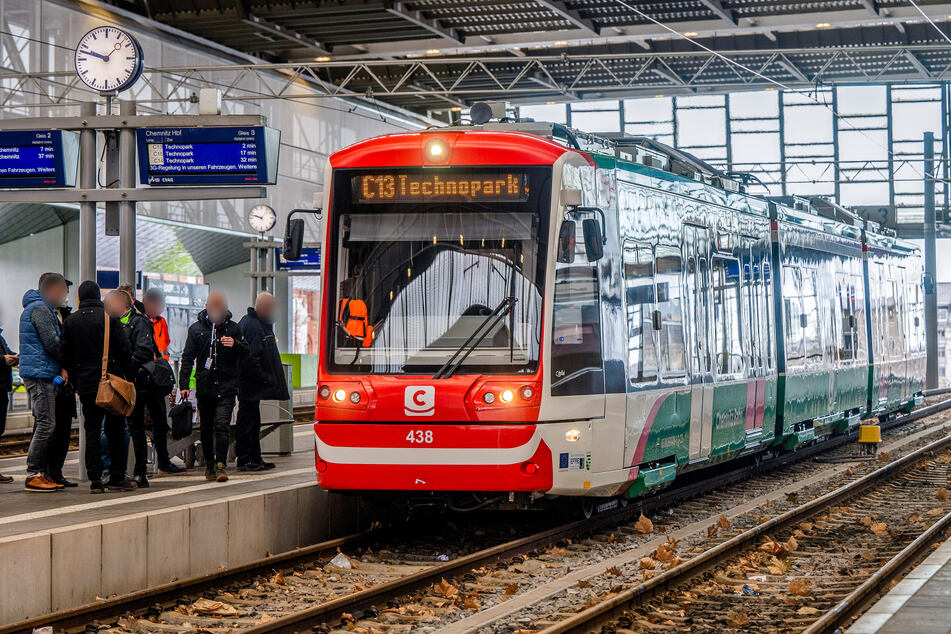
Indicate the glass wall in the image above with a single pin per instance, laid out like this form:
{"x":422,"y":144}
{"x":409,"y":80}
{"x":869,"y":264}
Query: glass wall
{"x":870,"y":154}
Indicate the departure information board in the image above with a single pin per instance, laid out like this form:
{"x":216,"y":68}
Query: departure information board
{"x":38,"y":158}
{"x":208,"y":156}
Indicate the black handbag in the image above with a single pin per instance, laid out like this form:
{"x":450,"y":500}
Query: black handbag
{"x":158,"y":377}
{"x":182,"y":416}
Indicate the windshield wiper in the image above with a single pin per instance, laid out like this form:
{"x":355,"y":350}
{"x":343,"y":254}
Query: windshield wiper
{"x":490,"y":321}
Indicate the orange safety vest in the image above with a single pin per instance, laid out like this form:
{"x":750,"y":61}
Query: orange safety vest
{"x":354,"y":319}
{"x":162,"y":339}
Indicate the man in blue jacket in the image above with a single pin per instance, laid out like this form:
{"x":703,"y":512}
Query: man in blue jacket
{"x":41,"y":372}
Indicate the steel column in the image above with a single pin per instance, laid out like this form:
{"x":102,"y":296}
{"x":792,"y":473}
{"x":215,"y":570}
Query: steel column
{"x":931,"y":296}
{"x":127,"y":207}
{"x":87,"y":210}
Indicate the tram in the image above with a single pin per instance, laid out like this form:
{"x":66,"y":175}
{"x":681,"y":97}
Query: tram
{"x":516,"y":311}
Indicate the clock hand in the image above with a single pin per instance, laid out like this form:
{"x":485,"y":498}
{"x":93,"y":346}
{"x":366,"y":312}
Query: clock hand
{"x":104,"y":58}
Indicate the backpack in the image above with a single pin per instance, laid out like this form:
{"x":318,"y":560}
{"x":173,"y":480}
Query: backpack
{"x":182,"y":416}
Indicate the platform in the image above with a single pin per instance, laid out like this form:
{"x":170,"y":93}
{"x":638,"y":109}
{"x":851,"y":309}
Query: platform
{"x":64,"y":549}
{"x":918,"y":604}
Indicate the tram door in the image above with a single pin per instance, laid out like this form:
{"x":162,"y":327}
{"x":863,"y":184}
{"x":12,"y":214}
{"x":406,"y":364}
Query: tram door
{"x":697,"y":294}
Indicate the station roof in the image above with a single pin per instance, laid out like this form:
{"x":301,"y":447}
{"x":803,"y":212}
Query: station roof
{"x":440,"y":54}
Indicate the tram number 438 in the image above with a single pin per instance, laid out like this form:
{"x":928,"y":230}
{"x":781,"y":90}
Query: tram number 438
{"x":419,"y":436}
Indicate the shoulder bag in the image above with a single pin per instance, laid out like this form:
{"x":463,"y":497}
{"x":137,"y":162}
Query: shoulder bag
{"x":115,"y":395}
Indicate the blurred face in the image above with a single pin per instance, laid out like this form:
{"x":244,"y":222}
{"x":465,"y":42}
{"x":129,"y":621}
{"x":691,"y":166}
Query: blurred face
{"x":115,"y":306}
{"x":154,"y":307}
{"x":56,"y":294}
{"x":264,"y":307}
{"x":217,"y":307}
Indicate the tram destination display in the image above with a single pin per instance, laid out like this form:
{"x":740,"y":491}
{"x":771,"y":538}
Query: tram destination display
{"x":445,"y":187}
{"x":208,"y":156}
{"x":38,"y":158}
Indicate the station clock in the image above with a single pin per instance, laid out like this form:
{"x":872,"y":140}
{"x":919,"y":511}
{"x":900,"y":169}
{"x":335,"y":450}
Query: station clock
{"x":262,"y":218}
{"x":108,"y":59}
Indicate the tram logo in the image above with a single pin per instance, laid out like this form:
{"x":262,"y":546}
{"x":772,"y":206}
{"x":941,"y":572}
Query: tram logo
{"x":419,"y":400}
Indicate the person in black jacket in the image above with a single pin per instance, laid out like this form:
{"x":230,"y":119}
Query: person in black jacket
{"x":81,"y":347}
{"x":215,"y":347}
{"x":138,"y":329}
{"x":262,"y":378}
{"x":8,"y":359}
{"x":65,"y":412}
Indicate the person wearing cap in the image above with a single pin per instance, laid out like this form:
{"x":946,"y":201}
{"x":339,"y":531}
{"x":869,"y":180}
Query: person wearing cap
{"x":41,"y":372}
{"x":81,"y":351}
{"x":154,"y":303}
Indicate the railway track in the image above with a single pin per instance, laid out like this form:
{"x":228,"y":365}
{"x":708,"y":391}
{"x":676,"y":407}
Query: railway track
{"x":395,"y":587}
{"x":809,"y":569}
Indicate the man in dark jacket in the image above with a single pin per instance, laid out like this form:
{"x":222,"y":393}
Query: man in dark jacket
{"x":41,"y":371}
{"x":138,"y":330}
{"x":81,"y":352}
{"x":8,"y":359}
{"x":262,"y":379}
{"x":215,"y":347}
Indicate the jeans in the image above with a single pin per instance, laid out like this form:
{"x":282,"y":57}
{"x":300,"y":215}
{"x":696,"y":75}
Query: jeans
{"x":59,"y":443}
{"x":95,"y":420}
{"x":247,"y":433}
{"x":43,"y":394}
{"x":214,"y":415}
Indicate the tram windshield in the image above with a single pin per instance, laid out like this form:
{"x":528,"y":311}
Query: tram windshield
{"x":419,"y":284}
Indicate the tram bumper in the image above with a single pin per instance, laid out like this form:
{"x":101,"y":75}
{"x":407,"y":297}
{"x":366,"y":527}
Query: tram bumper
{"x":441,"y":457}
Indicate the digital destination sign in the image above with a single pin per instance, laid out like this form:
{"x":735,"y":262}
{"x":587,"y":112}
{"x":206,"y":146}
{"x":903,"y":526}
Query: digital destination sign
{"x":38,"y":158}
{"x":208,"y":156}
{"x":499,"y":187}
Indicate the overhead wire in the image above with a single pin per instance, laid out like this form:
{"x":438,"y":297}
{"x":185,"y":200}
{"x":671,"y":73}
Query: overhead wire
{"x":780,"y":84}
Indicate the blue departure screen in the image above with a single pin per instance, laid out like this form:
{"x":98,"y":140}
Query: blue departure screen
{"x":207,"y":156}
{"x":36,"y":158}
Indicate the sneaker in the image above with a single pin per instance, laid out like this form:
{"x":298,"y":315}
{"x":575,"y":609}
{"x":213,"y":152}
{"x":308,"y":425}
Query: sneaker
{"x":63,"y":482}
{"x":41,"y":483}
{"x":121,"y":485}
{"x":254,"y":466}
{"x":220,"y":474}
{"x":210,"y":474}
{"x":171,"y":469}
{"x":96,"y":486}
{"x":5,"y":479}
{"x":141,"y":481}
{"x":267,"y":465}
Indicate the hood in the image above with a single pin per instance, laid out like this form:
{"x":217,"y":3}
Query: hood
{"x":31,"y":296}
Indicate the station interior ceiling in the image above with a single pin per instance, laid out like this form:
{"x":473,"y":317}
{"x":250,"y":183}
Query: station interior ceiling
{"x":438,"y":55}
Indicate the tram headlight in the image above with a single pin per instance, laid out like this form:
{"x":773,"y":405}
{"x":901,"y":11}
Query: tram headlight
{"x":436,"y":150}
{"x":572,"y":435}
{"x":324,"y":392}
{"x":339,"y":395}
{"x":355,"y":398}
{"x":488,"y":397}
{"x":527,"y":392}
{"x":506,"y":396}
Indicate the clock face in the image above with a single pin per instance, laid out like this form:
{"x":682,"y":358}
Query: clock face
{"x":262,"y":218}
{"x":108,"y":59}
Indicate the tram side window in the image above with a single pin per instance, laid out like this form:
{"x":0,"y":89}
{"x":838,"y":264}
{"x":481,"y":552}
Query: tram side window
{"x":576,"y":329}
{"x":725,"y":274}
{"x":810,"y":308}
{"x":668,"y":275}
{"x":640,"y":298}
{"x":858,"y":308}
{"x":914,"y":310}
{"x":766,"y":299}
{"x":757,"y":321}
{"x":893,"y":319}
{"x":792,"y":312}
{"x":848,"y":338}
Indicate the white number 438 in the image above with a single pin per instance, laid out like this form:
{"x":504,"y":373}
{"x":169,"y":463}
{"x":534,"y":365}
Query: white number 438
{"x":420,"y":436}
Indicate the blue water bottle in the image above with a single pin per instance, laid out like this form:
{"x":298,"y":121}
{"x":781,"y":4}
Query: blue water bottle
{"x":58,"y":380}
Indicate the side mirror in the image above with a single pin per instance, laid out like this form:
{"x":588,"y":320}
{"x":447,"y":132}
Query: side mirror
{"x":293,"y":239}
{"x":593,"y":239}
{"x":656,"y":320}
{"x":566,"y":242}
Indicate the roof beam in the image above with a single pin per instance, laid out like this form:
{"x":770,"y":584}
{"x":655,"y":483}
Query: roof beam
{"x":720,"y":11}
{"x":267,"y":26}
{"x":918,"y":65}
{"x":419,"y":19}
{"x":571,"y":15}
{"x":791,"y":68}
{"x":870,"y":5}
